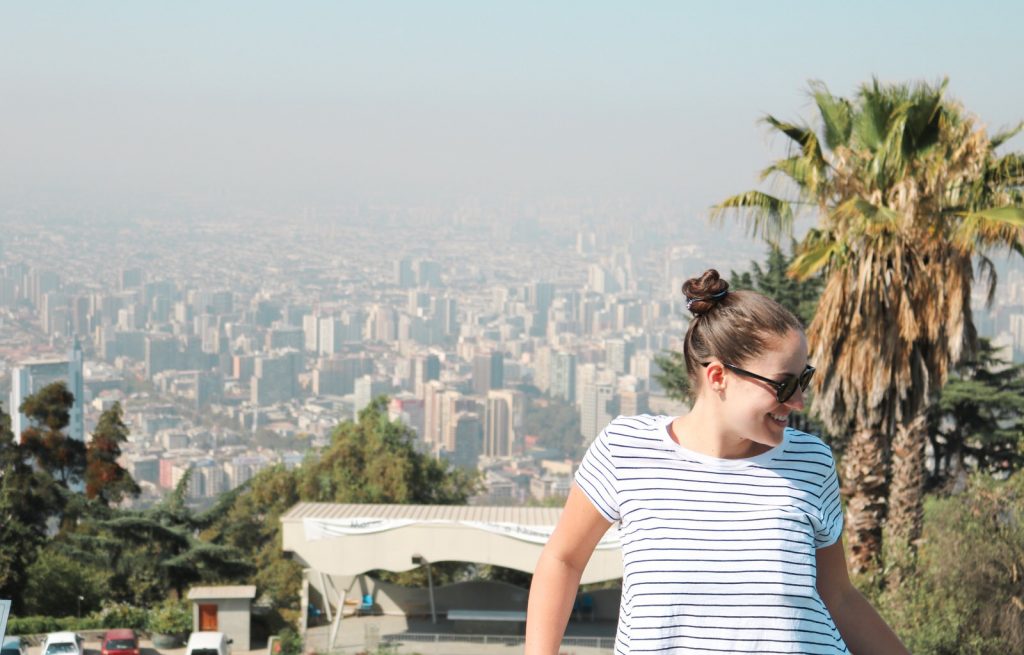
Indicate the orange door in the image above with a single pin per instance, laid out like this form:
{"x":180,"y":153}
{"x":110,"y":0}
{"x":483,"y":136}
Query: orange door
{"x":208,"y":618}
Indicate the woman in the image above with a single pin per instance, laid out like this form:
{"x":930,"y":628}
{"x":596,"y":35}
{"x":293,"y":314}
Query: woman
{"x":730,"y":522}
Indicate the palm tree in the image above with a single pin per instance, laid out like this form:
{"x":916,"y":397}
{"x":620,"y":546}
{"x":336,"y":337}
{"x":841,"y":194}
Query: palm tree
{"x":909,"y":194}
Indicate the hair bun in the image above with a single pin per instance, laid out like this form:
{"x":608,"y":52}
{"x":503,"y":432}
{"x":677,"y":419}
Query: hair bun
{"x":705,"y":292}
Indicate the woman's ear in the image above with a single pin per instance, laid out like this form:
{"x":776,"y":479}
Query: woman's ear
{"x":714,"y":376}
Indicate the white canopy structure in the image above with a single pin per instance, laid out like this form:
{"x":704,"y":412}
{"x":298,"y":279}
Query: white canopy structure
{"x":349,"y":539}
{"x":342,"y":541}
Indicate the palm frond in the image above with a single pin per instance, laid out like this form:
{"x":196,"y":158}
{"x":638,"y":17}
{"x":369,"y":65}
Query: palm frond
{"x":925,"y":105}
{"x":987,"y":272}
{"x":871,"y":122}
{"x":1006,"y":216}
{"x":819,"y":249}
{"x":806,"y":174}
{"x":857,"y":209}
{"x":766,"y":216}
{"x":999,"y":138}
{"x":836,"y":115}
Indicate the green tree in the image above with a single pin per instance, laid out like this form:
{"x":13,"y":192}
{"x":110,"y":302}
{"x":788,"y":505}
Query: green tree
{"x":374,"y":460}
{"x":909,"y":193}
{"x":49,"y":413}
{"x":57,"y":580}
{"x":250,"y":521}
{"x":27,"y":499}
{"x":978,"y":422}
{"x":105,"y":479}
{"x":799,"y":296}
{"x":157,"y":550}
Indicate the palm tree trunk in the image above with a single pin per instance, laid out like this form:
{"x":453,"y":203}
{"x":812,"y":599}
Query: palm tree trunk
{"x":865,"y":479}
{"x":906,"y":497}
{"x":908,"y":469}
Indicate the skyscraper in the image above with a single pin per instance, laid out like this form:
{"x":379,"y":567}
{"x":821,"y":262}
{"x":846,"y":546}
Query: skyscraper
{"x":502,"y":418}
{"x":563,"y":376}
{"x":488,"y":372}
{"x":594,"y":408}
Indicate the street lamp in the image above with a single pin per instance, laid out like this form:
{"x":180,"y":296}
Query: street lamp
{"x":421,"y":560}
{"x":80,"y":599}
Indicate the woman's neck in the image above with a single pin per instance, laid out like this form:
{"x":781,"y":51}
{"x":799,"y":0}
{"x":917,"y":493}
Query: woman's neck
{"x":702,"y":430}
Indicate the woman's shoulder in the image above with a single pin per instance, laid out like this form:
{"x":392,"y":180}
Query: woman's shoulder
{"x":798,"y":439}
{"x":627,"y":429}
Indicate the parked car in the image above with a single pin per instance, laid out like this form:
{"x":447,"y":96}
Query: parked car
{"x":14,"y":646}
{"x":208,"y":643}
{"x":120,"y":642}
{"x":63,"y":643}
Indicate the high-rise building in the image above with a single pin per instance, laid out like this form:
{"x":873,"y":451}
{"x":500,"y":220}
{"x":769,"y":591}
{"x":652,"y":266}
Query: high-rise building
{"x":617,"y":354}
{"x":426,"y":368}
{"x":432,"y":393}
{"x":367,"y":388}
{"x":445,"y":311}
{"x":488,"y":372}
{"x":502,"y":416}
{"x":428,"y":273}
{"x":331,"y":335}
{"x":403,"y":274}
{"x":336,"y":375}
{"x":469,"y":436}
{"x":285,"y":336}
{"x":594,"y":409}
{"x":161,"y":354}
{"x":274,"y":377}
{"x":563,"y":376}
{"x":311,"y":332}
{"x":542,"y":358}
{"x":30,"y":376}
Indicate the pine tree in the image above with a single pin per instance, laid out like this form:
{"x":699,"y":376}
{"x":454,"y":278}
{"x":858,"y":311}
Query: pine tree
{"x":49,"y":411}
{"x":105,"y":479}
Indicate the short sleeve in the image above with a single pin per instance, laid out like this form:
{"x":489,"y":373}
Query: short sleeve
{"x":596,"y":477}
{"x":828,"y":522}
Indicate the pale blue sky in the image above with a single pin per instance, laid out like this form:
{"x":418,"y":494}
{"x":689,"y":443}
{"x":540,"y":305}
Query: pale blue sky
{"x":284,"y":105}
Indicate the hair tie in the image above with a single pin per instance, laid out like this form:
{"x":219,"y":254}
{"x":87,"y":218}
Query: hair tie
{"x":716,"y":296}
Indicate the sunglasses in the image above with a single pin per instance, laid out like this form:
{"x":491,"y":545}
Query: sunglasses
{"x":785,"y":389}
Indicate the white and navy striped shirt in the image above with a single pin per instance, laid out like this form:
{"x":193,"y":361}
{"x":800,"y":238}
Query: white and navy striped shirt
{"x":718,"y":554}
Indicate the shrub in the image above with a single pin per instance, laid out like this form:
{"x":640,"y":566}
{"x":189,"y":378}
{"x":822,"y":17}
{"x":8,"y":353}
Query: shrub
{"x":32,"y":625}
{"x":37,"y":625}
{"x":123,"y":615}
{"x":290,"y":642}
{"x":963,"y":598}
{"x":172,"y":617}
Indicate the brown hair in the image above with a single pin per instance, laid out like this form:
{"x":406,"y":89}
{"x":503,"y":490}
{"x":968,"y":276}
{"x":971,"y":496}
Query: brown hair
{"x":732,"y":326}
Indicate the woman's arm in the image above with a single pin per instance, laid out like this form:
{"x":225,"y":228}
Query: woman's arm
{"x":558,"y":573}
{"x":863,"y":630}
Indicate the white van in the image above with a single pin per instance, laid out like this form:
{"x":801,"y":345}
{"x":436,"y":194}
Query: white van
{"x":208,"y":643}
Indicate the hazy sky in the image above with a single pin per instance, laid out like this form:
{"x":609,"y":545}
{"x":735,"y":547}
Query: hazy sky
{"x":143,"y":105}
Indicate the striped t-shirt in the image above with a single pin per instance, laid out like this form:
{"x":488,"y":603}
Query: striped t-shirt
{"x":718,"y":554}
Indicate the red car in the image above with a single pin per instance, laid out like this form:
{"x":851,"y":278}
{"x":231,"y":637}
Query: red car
{"x":120,"y":642}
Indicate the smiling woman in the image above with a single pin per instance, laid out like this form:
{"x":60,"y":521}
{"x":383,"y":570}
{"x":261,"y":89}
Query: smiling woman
{"x":730,"y":521}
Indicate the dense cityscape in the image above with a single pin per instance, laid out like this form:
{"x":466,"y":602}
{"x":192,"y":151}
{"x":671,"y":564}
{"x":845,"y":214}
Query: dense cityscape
{"x":232,"y":347}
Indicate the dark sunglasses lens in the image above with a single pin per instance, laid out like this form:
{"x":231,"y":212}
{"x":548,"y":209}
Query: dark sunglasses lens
{"x":787,"y":389}
{"x":805,"y":379}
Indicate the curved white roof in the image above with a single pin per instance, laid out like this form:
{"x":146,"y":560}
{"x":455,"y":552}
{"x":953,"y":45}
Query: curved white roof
{"x":351,"y":539}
